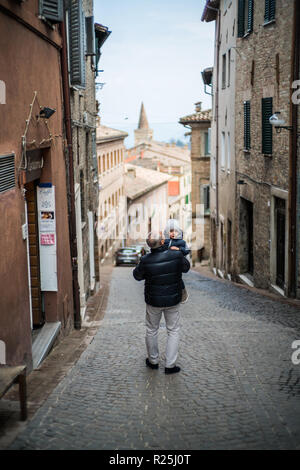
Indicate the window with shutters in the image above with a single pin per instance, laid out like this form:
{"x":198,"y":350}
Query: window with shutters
{"x":270,"y":10}
{"x":7,"y":172}
{"x":77,"y":43}
{"x":224,"y":71}
{"x":207,"y":142}
{"x":245,"y":17}
{"x":247,"y":125}
{"x":51,"y":10}
{"x":206,"y":198}
{"x":267,"y":133}
{"x":223,"y":151}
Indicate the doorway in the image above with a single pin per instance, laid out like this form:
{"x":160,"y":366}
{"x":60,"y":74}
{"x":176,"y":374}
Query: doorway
{"x":280,"y":218}
{"x":246,"y":237}
{"x":38,"y":316}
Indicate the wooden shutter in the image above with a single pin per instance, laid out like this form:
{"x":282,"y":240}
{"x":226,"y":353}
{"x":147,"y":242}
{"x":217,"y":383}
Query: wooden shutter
{"x":270,"y":10}
{"x":267,"y":136}
{"x":90,"y":36}
{"x":250,"y":15}
{"x":206,"y":198}
{"x":77,"y":43}
{"x":241,"y":18}
{"x":7,"y":172}
{"x":52,"y":10}
{"x":247,"y":127}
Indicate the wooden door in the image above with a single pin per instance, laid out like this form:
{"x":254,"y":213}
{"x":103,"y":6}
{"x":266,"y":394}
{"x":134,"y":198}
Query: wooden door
{"x":33,"y":234}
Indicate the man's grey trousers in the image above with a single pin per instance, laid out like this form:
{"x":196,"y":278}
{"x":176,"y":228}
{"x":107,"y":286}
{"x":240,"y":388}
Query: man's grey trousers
{"x":172,"y":318}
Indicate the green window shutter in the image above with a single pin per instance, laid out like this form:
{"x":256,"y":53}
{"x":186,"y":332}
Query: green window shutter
{"x":250,"y":15}
{"x":267,"y":135}
{"x":206,"y":143}
{"x":52,"y":10}
{"x":270,"y":10}
{"x":206,"y":198}
{"x":241,"y":18}
{"x":247,"y":126}
{"x":90,"y":36}
{"x":187,"y":199}
{"x":77,"y":43}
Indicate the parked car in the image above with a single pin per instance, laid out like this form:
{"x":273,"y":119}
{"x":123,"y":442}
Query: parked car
{"x":127,"y":255}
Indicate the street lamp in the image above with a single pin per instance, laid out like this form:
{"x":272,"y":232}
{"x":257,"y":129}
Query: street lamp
{"x":278,"y":123}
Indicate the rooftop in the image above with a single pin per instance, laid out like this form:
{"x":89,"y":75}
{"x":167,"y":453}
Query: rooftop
{"x":139,"y":181}
{"x":200,"y":116}
{"x":105,"y":133}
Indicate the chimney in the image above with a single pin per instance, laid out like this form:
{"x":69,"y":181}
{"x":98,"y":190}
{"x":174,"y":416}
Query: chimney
{"x":198,"y":106}
{"x":131,"y":173}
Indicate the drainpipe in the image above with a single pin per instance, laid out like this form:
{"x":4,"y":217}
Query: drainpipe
{"x":217,"y":118}
{"x":70,"y":177}
{"x":293,"y":180}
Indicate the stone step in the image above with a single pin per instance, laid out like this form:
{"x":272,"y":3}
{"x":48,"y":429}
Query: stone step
{"x":44,"y":341}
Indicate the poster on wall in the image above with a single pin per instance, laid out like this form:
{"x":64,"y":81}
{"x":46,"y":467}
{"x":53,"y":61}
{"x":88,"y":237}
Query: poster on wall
{"x":47,"y":236}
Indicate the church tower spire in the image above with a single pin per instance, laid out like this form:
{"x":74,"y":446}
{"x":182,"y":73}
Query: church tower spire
{"x":143,"y":133}
{"x":143,"y":121}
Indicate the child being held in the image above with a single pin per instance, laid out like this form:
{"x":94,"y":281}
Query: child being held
{"x":173,"y":241}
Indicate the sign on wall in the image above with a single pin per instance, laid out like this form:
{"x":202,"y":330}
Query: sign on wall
{"x":47,"y":236}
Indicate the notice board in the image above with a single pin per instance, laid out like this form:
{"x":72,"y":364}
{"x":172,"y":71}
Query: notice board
{"x":47,"y":236}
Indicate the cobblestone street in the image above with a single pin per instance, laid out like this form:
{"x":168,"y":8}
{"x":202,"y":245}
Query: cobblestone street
{"x":238,"y":387}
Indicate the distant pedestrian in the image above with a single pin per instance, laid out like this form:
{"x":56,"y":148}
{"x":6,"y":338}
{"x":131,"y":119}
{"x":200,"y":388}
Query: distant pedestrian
{"x":162,"y":271}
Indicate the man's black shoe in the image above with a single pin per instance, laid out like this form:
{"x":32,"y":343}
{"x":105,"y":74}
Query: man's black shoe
{"x":172,"y":370}
{"x":152,"y":366}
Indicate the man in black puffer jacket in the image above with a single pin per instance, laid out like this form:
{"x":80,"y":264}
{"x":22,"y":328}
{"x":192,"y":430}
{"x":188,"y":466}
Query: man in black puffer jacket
{"x":162,"y":271}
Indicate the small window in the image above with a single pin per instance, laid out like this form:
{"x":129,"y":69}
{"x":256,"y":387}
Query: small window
{"x":247,"y":125}
{"x":7,"y":172}
{"x":224,"y":71}
{"x":228,"y":68}
{"x":228,"y":151}
{"x":207,"y":142}
{"x":206,"y":199}
{"x":223,"y":151}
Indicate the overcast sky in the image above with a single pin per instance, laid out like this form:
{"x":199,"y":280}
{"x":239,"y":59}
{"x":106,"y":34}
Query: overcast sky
{"x":155,"y":54}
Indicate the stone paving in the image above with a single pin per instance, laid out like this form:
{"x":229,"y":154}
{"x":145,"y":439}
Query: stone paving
{"x":238,"y":388}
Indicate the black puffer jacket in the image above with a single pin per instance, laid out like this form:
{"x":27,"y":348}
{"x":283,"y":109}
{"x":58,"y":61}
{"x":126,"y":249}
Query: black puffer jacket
{"x":162,"y":270}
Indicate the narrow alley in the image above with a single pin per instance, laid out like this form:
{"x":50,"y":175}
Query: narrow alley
{"x":238,"y":387}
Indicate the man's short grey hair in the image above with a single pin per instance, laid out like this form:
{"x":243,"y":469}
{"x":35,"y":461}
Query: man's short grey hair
{"x":154,"y":239}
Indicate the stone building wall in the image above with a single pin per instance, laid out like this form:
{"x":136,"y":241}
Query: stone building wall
{"x":84,"y":112}
{"x":263,"y":70}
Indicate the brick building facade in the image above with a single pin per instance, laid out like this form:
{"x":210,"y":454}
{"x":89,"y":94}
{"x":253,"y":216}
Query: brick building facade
{"x":199,"y":123}
{"x":261,"y":41}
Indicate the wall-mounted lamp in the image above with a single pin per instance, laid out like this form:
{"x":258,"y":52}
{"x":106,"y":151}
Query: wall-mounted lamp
{"x":46,"y":113}
{"x":278,"y":123}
